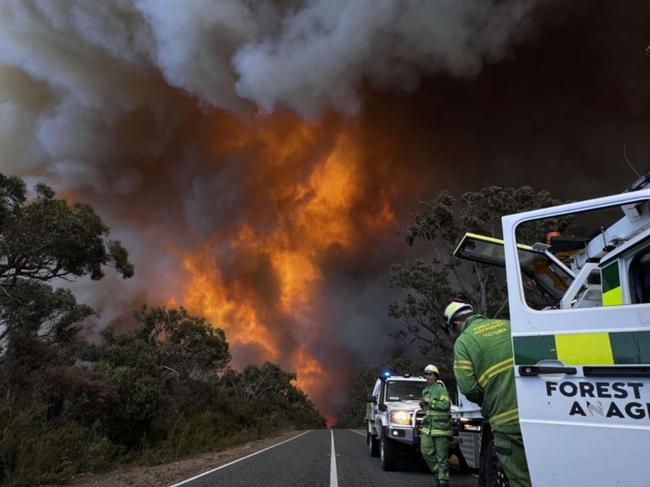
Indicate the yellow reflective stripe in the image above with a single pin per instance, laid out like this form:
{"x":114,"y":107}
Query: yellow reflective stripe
{"x":584,"y":348}
{"x":505,"y":417}
{"x":492,"y":240}
{"x":463,"y":367}
{"x":431,"y":432}
{"x":495,"y":370}
{"x":613,"y":297}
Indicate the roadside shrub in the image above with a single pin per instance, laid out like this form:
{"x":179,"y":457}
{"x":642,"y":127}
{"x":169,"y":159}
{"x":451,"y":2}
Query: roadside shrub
{"x":33,"y":451}
{"x":203,"y":432}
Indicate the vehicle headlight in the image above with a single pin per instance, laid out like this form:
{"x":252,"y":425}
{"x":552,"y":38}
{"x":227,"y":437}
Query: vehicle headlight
{"x":400,"y":417}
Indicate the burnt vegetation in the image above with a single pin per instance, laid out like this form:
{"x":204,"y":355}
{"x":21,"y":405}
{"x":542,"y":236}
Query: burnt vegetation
{"x":160,"y":391}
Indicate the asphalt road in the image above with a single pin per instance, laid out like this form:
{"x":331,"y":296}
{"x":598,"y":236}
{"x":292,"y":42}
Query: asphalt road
{"x":306,"y":460}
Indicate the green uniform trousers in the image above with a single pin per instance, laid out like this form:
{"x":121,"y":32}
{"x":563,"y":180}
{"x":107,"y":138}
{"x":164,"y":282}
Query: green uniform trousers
{"x":510,"y":450}
{"x":435,"y":451}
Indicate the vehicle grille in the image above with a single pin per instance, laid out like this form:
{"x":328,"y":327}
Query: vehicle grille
{"x":419,"y":416}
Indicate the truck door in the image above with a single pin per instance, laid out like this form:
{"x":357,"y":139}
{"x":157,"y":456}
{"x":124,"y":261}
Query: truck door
{"x":583,"y":374}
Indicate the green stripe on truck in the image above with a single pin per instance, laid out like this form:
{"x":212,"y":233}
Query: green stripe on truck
{"x":531,"y":349}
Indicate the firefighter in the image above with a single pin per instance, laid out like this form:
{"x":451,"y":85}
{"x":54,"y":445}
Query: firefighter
{"x":484,"y":370}
{"x":436,"y":426}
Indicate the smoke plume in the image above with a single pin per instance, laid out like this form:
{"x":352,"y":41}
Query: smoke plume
{"x":256,"y":157}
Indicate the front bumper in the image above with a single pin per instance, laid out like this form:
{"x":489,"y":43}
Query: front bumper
{"x":403,"y":434}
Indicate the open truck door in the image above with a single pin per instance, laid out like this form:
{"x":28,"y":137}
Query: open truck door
{"x":583,"y":373}
{"x":542,"y":267}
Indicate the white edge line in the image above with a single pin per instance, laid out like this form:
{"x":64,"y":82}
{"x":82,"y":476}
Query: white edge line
{"x":239,"y":459}
{"x":334,"y":480}
{"x":357,"y":432}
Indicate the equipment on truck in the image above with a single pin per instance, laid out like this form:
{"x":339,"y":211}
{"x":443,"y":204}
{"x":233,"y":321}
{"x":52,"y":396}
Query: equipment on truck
{"x":582,"y":362}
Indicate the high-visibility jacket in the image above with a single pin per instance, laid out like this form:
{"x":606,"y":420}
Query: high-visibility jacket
{"x":437,"y":416}
{"x":483,"y":366}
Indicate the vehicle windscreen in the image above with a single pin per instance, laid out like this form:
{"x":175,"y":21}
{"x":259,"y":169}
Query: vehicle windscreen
{"x":404,"y":390}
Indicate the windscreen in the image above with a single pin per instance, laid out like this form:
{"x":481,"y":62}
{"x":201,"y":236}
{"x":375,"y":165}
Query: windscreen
{"x":404,"y":390}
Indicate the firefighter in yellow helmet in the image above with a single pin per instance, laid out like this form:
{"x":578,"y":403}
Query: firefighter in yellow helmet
{"x":436,"y":426}
{"x":483,"y":366}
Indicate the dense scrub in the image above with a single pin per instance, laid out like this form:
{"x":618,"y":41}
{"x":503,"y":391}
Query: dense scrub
{"x":160,"y":391}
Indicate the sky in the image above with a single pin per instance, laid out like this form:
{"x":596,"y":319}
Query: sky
{"x":257,"y":159}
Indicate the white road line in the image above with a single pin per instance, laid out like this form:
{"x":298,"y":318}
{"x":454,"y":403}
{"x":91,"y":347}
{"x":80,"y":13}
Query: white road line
{"x":334,"y":481}
{"x":358,"y":432}
{"x":242,"y":458}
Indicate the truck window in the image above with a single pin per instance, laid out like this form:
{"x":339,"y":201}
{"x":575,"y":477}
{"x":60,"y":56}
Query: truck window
{"x":404,"y":390}
{"x":598,"y":247}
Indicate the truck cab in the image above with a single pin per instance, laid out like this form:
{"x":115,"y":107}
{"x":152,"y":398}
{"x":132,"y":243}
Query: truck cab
{"x":393,"y":416}
{"x":582,"y":360}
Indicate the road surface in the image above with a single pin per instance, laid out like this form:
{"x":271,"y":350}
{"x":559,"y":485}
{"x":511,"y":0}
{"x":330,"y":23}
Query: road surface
{"x":306,"y":460}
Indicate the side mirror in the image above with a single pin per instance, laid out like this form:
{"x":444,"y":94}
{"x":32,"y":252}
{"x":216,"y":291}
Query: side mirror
{"x":372,"y":399}
{"x":382,"y":407}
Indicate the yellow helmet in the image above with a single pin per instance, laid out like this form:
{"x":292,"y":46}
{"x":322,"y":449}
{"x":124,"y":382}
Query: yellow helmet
{"x":454,"y":308}
{"x":431,"y":368}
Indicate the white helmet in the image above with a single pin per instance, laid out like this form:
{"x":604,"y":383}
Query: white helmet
{"x":454,"y":308}
{"x":431,"y":368}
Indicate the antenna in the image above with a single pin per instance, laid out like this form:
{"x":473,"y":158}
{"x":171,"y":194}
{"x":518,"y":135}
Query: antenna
{"x":628,"y":161}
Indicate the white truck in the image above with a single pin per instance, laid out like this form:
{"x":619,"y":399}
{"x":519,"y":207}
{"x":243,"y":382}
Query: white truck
{"x":394,"y":416}
{"x":582,"y":362}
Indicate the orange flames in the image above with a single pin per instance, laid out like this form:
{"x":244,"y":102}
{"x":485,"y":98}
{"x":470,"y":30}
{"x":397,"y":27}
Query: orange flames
{"x":311,"y":181}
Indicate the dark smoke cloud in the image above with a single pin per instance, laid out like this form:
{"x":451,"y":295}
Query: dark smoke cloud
{"x":139,"y":107}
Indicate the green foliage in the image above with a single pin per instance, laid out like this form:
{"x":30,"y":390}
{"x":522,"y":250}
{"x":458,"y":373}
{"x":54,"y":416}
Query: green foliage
{"x":47,"y":238}
{"x":34,"y":451}
{"x":203,"y":432}
{"x":270,"y":389}
{"x":44,"y":241}
{"x":185,"y":345}
{"x":429,"y":285}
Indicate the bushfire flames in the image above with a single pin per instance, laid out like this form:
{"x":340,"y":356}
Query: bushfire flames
{"x":258,"y":279}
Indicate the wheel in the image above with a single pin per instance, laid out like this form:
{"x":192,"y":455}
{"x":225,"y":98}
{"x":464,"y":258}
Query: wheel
{"x":386,"y":454}
{"x":462,"y":463}
{"x":373,"y":444}
{"x":494,"y":474}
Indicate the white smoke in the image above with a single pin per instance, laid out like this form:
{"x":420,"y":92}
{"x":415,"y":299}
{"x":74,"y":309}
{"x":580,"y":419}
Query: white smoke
{"x":328,"y":48}
{"x":71,"y":70}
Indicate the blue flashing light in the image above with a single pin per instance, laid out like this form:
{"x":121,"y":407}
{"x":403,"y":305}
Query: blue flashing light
{"x":386,"y":374}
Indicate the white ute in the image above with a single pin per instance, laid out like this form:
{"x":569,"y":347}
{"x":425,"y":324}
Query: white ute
{"x":393,"y":416}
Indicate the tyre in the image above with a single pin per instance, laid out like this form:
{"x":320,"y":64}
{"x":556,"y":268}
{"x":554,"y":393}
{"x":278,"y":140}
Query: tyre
{"x":494,"y":474}
{"x":462,"y":463}
{"x":386,"y":454}
{"x":373,"y":444}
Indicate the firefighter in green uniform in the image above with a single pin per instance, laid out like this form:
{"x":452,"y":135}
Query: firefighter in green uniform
{"x":436,"y":426}
{"x":484,"y":370}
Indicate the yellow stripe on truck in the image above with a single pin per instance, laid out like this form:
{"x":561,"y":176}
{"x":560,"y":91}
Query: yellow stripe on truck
{"x":613,"y":297}
{"x":584,"y":348}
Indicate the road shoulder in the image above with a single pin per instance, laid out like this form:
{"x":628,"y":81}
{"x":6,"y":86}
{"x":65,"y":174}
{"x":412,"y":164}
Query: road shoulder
{"x":172,"y":472}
